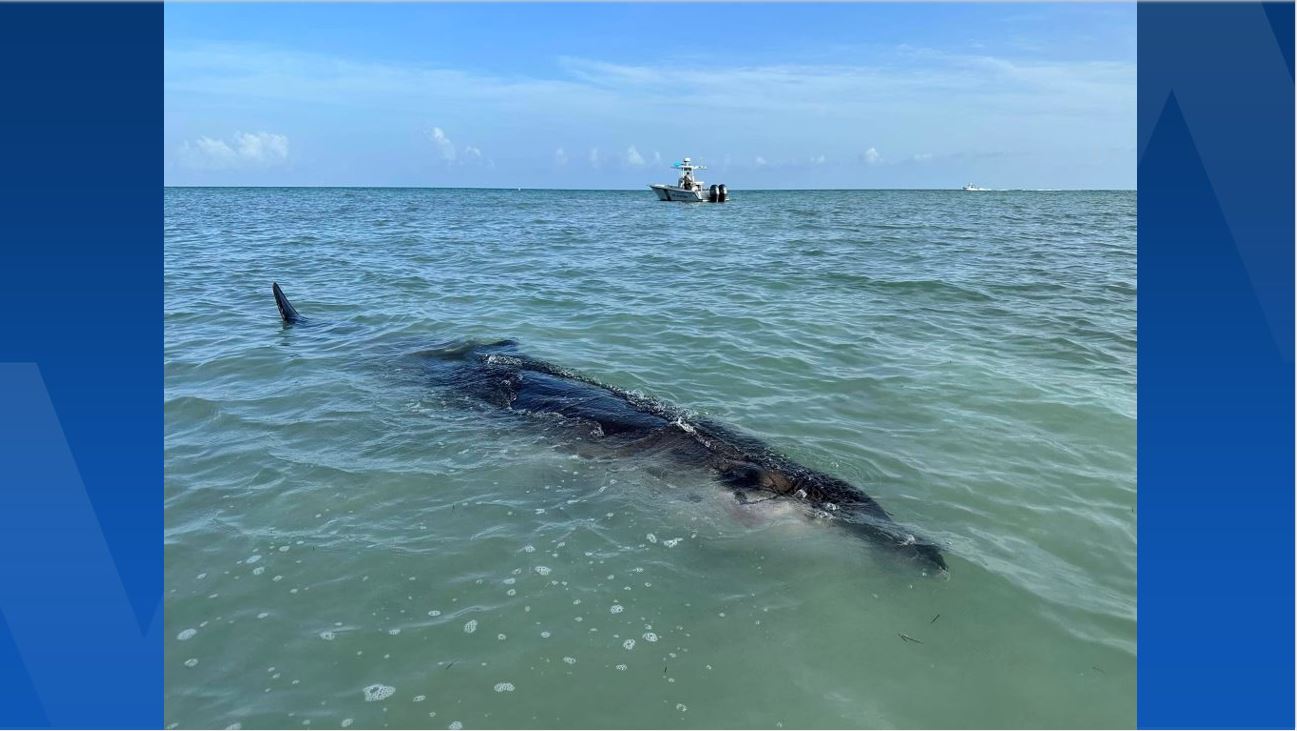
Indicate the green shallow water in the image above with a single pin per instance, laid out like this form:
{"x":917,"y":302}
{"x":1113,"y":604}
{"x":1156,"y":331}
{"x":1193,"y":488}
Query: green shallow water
{"x":334,"y":524}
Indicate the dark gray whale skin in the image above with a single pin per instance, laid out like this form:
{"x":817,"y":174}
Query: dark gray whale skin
{"x":498,"y":374}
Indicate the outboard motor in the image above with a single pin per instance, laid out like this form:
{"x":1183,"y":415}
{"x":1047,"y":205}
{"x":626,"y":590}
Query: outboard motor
{"x":714,"y":193}
{"x":722,"y":194}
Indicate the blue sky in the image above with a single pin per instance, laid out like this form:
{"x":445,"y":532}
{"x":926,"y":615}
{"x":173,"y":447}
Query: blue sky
{"x":606,"y":96}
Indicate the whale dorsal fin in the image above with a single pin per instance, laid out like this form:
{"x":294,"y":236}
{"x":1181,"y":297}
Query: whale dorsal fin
{"x":286,"y":309}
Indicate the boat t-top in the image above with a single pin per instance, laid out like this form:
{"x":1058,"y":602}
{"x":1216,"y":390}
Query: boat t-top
{"x":687,"y":189}
{"x":972,"y":188}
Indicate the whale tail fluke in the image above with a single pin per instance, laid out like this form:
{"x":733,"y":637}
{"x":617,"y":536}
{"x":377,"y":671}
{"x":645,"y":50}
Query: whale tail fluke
{"x":898,"y":538}
{"x":286,"y":309}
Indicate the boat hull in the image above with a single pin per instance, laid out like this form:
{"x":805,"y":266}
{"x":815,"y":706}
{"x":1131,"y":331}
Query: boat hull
{"x":677,"y":194}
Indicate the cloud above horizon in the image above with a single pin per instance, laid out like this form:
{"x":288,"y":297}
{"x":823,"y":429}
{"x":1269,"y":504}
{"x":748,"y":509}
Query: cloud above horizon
{"x":444,"y":146}
{"x":244,"y":150}
{"x":939,"y":112}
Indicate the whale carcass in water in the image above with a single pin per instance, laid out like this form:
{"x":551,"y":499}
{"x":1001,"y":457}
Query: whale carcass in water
{"x":498,"y":374}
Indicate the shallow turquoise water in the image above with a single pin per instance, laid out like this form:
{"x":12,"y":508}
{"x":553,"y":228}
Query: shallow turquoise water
{"x":333,"y":524}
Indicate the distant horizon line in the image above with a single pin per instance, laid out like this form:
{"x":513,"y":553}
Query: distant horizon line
{"x":628,"y":190}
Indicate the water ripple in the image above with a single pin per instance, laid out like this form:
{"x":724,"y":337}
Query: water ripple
{"x":969,"y":360}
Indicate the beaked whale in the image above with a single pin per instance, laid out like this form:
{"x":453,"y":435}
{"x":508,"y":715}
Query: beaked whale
{"x":497,"y":374}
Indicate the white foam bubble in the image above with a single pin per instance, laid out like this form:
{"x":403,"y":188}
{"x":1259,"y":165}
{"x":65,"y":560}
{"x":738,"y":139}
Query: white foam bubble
{"x":434,"y":613}
{"x":672,"y":542}
{"x":570,"y":660}
{"x":186,"y":634}
{"x":455,"y":726}
{"x":616,"y":609}
{"x":504,"y":687}
{"x":419,"y":698}
{"x":346,"y":722}
{"x":470,"y":626}
{"x":681,"y":707}
{"x":651,"y":538}
{"x":621,"y":667}
{"x":629,"y":644}
{"x":327,"y":635}
{"x":542,"y":570}
{"x":394,"y":631}
{"x":378,"y":692}
{"x":650,"y":637}
{"x":252,"y":559}
{"x":544,"y":635}
{"x":191,"y":662}
{"x":258,"y":571}
{"x":529,"y":548}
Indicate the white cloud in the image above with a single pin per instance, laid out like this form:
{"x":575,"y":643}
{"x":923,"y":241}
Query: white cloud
{"x":818,"y":160}
{"x":922,"y":78}
{"x":262,"y":147}
{"x":560,"y":157}
{"x":451,"y":154}
{"x":445,"y":147}
{"x":1047,"y":109}
{"x":633,"y":157}
{"x":871,"y":156}
{"x":923,"y":157}
{"x":244,"y":150}
{"x":845,"y":90}
{"x":928,"y":78}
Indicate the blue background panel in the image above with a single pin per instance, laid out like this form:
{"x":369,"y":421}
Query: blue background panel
{"x":1215,"y":365}
{"x":81,"y":365}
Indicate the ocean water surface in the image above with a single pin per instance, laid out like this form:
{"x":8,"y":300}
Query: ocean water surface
{"x":346,"y":545}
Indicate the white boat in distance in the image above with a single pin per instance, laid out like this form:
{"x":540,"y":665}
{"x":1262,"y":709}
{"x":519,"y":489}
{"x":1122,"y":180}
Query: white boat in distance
{"x":970,"y":187}
{"x":688,"y":190}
